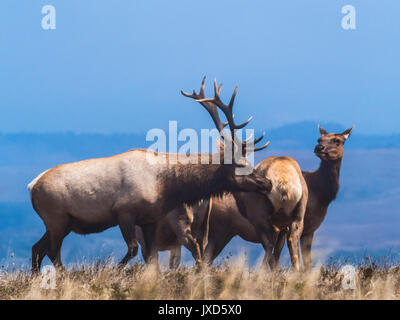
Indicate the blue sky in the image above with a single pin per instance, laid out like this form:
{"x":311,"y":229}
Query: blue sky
{"x":118,"y":66}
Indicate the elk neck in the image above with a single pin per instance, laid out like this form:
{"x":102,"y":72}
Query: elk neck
{"x":325,"y":180}
{"x":190,"y":183}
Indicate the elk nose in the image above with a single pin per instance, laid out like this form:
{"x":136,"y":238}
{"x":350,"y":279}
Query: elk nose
{"x":319,"y":148}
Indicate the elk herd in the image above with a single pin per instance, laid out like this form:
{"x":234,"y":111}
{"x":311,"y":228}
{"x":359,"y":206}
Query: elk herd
{"x":163,"y":205}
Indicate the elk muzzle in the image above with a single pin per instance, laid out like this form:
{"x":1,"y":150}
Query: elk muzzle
{"x":319,"y":148}
{"x":264,"y":185}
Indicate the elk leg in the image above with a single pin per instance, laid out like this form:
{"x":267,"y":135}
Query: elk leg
{"x":215,"y":246}
{"x":140,"y":240}
{"x":127,"y":227}
{"x":182,"y":227}
{"x":306,"y":241}
{"x":39,"y":251}
{"x":190,"y":243}
{"x":175,"y":258}
{"x":275,"y":258}
{"x":145,"y":254}
{"x":54,"y":252}
{"x":268,"y":246}
{"x":202,"y":234}
{"x":149,"y":240}
{"x":268,"y":235}
{"x":295,"y":231}
{"x":293,"y":245}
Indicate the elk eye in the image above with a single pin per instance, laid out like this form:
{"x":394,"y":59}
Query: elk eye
{"x":337,"y":141}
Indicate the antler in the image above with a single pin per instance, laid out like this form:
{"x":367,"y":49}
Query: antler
{"x":251,"y":148}
{"x":211,"y":105}
{"x":226,"y":109}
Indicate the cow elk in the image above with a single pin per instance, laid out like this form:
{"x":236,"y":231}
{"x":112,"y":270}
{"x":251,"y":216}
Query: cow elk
{"x":323,"y":186}
{"x":282,"y":209}
{"x":137,"y":187}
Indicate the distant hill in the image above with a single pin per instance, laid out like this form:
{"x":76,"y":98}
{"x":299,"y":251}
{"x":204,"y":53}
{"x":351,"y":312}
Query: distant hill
{"x":48,"y":148}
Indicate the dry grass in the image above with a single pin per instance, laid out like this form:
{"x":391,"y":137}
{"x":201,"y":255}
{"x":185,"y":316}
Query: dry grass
{"x":230,"y":280}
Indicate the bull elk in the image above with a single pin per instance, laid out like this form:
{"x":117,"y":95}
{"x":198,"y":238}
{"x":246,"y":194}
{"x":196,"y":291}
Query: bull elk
{"x":136,"y":188}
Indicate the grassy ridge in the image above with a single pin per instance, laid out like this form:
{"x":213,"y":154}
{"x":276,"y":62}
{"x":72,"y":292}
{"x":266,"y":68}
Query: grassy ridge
{"x":226,"y":281}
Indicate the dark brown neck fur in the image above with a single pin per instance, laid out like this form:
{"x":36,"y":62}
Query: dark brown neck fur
{"x":324,"y":182}
{"x":189,"y":183}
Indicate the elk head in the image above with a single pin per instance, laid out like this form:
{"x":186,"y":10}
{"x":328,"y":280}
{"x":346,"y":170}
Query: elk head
{"x":232,"y":148}
{"x":330,"y":145}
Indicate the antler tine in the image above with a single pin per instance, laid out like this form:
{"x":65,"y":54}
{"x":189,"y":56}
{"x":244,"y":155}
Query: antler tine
{"x":248,"y":139}
{"x":194,"y":95}
{"x":187,"y":94}
{"x":262,"y":147}
{"x":202,"y":86}
{"x":260,"y":138}
{"x":232,"y":101}
{"x":217,"y":89}
{"x":240,"y":126}
{"x":255,"y":140}
{"x":226,"y":109}
{"x":252,"y":149}
{"x":208,"y":104}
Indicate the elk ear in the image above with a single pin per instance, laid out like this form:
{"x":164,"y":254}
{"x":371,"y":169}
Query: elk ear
{"x":322,"y":131}
{"x":347,"y":133}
